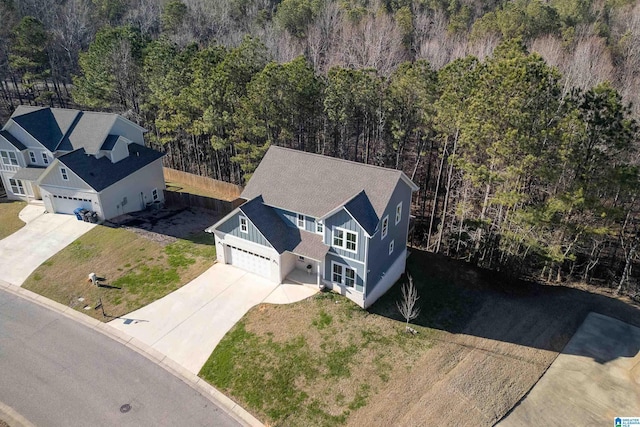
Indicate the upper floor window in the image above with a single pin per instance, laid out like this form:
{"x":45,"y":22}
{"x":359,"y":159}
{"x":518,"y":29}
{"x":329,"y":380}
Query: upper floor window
{"x":9,"y":158}
{"x":391,"y":245}
{"x":32,"y":156}
{"x":154,"y":194}
{"x":244,"y":226}
{"x":398,"y":213}
{"x":63,"y":173}
{"x":319,"y":227}
{"x":45,"y":158}
{"x":385,"y":226}
{"x":300,"y":221}
{"x":345,"y":239}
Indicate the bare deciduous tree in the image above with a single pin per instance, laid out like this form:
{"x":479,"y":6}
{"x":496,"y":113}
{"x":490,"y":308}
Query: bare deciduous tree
{"x":407,"y":305}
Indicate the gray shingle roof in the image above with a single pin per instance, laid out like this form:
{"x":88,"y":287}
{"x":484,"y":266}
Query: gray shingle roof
{"x":12,"y":140}
{"x":282,"y":237}
{"x":89,"y":132}
{"x":314,"y":185}
{"x":110,"y":142}
{"x":101,"y":173}
{"x":30,"y":173}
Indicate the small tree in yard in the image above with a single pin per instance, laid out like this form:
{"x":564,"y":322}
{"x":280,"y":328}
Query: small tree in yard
{"x":407,"y":305}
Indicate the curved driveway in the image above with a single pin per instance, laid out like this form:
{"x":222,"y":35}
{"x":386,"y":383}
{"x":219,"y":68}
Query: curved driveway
{"x":43,"y":236}
{"x":56,"y":372}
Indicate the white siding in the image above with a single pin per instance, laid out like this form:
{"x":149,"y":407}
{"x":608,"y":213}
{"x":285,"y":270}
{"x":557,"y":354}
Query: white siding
{"x":136,"y":189}
{"x":22,"y":135}
{"x":127,"y":129}
{"x":119,"y":151}
{"x":53,"y":178}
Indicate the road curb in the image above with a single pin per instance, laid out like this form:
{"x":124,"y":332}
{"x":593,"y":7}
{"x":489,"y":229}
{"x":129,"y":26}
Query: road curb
{"x":234,"y":410}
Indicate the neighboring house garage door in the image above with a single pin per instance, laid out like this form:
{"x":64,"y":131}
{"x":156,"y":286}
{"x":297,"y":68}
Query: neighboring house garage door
{"x":63,"y":204}
{"x":250,"y":262}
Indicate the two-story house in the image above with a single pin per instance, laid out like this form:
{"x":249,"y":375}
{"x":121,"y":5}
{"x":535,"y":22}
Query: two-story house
{"x":75,"y":159}
{"x":343,"y":223}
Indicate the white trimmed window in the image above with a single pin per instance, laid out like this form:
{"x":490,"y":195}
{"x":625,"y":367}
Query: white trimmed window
{"x":244,"y":226}
{"x":32,"y":156}
{"x":345,"y":239}
{"x":9,"y":158}
{"x":343,"y":275}
{"x":391,"y":244}
{"x":385,"y":227}
{"x":300,"y":221}
{"x":45,"y":158}
{"x":154,"y":194}
{"x":16,"y":186}
{"x":63,"y":173}
{"x":398,"y":213}
{"x":319,"y":227}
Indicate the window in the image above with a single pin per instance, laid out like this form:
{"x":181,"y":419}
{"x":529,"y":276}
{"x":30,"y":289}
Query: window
{"x":338,"y":238}
{"x":300,"y":221}
{"x":32,"y":156}
{"x":398,"y":213}
{"x":337,"y":273}
{"x":45,"y":158}
{"x":343,"y":275}
{"x":391,"y":247}
{"x":345,"y":239}
{"x":349,"y":277}
{"x":319,"y":227}
{"x":154,"y":194}
{"x":63,"y":172}
{"x":16,"y":186}
{"x":9,"y":158}
{"x":244,"y":227}
{"x":385,"y":226}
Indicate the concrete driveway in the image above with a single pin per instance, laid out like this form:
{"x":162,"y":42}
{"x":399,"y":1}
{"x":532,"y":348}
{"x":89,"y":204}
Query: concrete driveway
{"x":43,"y":236}
{"x":187,"y":324}
{"x":595,"y":379}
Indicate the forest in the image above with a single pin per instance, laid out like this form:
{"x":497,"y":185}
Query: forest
{"x":517,"y":119}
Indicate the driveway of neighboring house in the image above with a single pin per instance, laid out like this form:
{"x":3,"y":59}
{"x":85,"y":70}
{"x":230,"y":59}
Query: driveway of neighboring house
{"x":187,"y":324}
{"x":42,"y":237}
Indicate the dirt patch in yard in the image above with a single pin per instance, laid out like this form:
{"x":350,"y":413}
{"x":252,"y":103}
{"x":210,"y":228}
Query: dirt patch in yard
{"x":166,"y":225}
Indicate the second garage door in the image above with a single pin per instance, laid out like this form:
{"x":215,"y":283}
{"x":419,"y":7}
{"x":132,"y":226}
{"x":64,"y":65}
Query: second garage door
{"x":250,"y":262}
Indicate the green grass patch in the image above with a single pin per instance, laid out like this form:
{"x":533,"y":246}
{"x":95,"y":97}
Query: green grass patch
{"x":9,"y":220}
{"x":132,"y":281}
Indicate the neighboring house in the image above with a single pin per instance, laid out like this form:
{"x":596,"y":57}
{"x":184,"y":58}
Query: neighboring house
{"x":344,"y":223}
{"x":71,"y":159}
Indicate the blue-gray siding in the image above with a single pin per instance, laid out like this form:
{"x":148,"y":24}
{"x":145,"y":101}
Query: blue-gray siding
{"x":342,"y":219}
{"x":358,"y":267}
{"x":291,"y":219}
{"x":379,"y":259}
{"x":232,"y":226}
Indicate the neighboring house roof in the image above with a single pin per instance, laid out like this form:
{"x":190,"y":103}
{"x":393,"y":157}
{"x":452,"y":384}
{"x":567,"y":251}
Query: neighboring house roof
{"x":361,"y":210}
{"x":67,"y":130}
{"x":101,"y":173}
{"x":12,"y":140}
{"x":30,"y":173}
{"x":315,"y":185}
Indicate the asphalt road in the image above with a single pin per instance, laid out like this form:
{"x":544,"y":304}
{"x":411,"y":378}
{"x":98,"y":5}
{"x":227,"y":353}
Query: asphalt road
{"x":56,"y":372}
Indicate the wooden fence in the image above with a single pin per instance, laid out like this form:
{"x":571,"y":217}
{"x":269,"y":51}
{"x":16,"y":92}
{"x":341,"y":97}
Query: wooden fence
{"x":211,"y":187}
{"x":221,"y":207}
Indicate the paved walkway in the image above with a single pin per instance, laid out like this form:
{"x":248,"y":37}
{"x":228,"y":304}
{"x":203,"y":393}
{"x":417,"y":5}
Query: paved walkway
{"x":595,"y":379}
{"x":42,"y":237}
{"x":188,"y":324}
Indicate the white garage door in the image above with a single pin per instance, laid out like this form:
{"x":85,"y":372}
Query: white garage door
{"x":64,"y":204}
{"x":251,"y":262}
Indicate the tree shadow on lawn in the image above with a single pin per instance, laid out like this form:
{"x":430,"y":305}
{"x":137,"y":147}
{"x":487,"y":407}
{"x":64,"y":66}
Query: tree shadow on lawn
{"x":462,"y":299}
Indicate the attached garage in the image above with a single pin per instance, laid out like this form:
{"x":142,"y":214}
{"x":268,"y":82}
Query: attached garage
{"x":249,"y":261}
{"x":67,"y":204}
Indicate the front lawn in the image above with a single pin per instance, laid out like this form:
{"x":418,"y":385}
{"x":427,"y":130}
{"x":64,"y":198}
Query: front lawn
{"x":311,"y":363}
{"x":137,"y":270}
{"x":9,"y":221}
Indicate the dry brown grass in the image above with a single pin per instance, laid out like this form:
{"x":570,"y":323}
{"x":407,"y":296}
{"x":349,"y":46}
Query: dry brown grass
{"x":137,"y":270}
{"x":484,"y":341}
{"x":9,"y":221}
